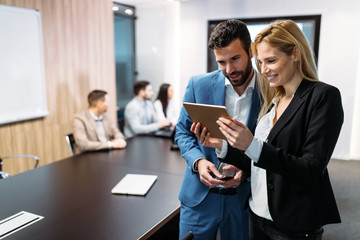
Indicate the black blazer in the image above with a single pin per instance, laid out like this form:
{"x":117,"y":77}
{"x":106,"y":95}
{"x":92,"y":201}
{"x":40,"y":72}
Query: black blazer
{"x":296,"y":155}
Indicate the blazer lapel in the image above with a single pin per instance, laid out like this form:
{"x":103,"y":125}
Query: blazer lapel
{"x":254,"y":107}
{"x":291,"y":110}
{"x":91,"y":122}
{"x":106,"y":126}
{"x":219,"y":90}
{"x":219,"y":99}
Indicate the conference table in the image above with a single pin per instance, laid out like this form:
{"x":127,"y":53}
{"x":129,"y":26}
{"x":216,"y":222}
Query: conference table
{"x":74,"y":194}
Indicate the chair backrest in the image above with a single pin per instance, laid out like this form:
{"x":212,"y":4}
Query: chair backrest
{"x":70,"y":140}
{"x":4,"y":175}
{"x":188,"y":236}
{"x":26,"y":156}
{"x":121,"y":119}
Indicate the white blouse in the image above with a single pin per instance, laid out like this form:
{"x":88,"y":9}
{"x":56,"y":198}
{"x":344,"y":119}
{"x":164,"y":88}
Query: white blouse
{"x":172,"y":112}
{"x":259,"y":199}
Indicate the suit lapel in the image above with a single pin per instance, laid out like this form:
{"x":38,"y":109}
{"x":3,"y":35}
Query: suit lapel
{"x":219,"y":99}
{"x":91,"y":122}
{"x":291,"y":110}
{"x":219,"y":90}
{"x":106,"y":126}
{"x":254,"y":107}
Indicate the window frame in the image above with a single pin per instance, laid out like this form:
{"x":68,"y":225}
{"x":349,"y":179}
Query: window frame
{"x":314,"y":42}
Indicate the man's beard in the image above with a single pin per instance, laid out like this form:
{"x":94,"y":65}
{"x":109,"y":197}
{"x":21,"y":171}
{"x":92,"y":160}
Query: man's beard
{"x":244,"y":75}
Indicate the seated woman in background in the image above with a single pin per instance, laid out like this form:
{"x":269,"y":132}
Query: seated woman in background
{"x":164,"y":106}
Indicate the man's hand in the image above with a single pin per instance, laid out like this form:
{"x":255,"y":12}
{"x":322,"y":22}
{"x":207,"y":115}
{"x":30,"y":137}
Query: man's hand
{"x":119,"y":143}
{"x":206,"y":167}
{"x":204,"y":136}
{"x":237,"y":179}
{"x":164,"y":123}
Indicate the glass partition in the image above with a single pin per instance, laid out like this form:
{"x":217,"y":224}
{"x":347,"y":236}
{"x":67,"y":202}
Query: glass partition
{"x":124,"y":41}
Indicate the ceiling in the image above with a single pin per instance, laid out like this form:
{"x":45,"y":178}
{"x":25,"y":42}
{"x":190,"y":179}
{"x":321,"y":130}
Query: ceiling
{"x":135,"y":2}
{"x":138,"y":2}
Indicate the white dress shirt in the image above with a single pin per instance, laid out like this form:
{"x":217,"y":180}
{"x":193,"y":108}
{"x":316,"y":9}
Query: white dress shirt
{"x":237,"y":106}
{"x":135,"y":116}
{"x":100,"y":128}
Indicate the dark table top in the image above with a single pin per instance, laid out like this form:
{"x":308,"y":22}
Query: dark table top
{"x":74,"y":195}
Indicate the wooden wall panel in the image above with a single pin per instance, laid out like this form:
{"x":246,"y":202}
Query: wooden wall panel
{"x":78,"y":57}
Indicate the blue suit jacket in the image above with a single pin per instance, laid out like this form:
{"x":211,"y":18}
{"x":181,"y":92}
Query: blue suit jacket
{"x":206,"y":89}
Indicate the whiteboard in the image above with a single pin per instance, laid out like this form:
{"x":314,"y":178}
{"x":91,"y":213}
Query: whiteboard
{"x":22,"y":83}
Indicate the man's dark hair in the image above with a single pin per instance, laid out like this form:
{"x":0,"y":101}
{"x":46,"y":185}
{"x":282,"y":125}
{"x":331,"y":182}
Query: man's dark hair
{"x":95,"y":96}
{"x":227,"y":31}
{"x":140,"y":85}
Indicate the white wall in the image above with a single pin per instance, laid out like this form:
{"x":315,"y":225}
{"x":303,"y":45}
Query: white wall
{"x":179,"y":33}
{"x":157,"y":45}
{"x":355,"y":137}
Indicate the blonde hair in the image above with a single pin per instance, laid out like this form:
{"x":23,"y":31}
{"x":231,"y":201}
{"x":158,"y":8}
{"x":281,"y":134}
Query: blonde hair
{"x":286,"y":36}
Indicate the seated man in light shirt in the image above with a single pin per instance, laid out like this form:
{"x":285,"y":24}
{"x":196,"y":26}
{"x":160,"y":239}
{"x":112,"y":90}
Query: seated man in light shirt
{"x":92,"y":129}
{"x":140,"y":115}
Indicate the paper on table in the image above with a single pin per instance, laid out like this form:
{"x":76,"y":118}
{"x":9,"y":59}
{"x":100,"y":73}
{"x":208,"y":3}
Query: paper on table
{"x":17,"y":222}
{"x":134,"y":184}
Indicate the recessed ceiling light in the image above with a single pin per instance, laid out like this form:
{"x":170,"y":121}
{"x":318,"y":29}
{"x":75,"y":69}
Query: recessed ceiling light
{"x":129,"y":11}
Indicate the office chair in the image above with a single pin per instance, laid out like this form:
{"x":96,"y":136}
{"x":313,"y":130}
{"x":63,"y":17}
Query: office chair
{"x":121,"y":119}
{"x":6,"y":174}
{"x":188,"y":236}
{"x":70,"y":140}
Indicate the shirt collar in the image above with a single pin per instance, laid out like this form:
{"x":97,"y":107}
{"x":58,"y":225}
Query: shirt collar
{"x":96,"y":118}
{"x":140,"y":100}
{"x":248,"y":89}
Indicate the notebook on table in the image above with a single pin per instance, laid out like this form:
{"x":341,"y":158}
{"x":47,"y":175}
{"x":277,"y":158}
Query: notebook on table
{"x":134,"y":184}
{"x":165,"y":132}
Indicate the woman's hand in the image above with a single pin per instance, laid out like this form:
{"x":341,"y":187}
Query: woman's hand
{"x":236,"y":133}
{"x":204,"y":136}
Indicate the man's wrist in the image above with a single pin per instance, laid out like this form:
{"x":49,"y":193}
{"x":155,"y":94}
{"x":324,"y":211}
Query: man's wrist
{"x":195,"y":166}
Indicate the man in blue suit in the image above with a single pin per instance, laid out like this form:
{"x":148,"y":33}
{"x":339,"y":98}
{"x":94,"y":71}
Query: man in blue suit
{"x":209,"y":204}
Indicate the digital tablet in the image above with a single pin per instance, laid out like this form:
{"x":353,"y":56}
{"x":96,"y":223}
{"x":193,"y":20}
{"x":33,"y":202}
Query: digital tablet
{"x":207,"y":115}
{"x":134,"y":184}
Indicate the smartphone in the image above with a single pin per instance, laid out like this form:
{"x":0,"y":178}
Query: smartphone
{"x":228,"y":174}
{"x":226,"y":178}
